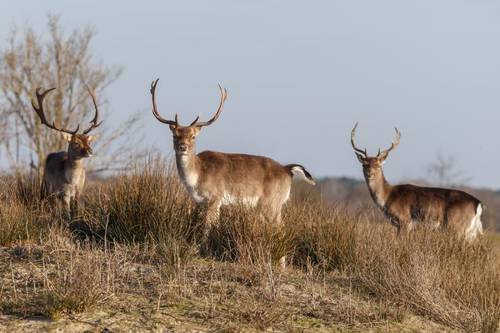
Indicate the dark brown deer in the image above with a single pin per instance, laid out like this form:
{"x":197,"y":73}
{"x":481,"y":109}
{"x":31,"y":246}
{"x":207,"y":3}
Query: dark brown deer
{"x":64,"y":172}
{"x":410,"y":205}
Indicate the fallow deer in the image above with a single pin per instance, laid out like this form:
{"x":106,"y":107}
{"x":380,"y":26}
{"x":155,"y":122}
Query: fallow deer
{"x":64,"y":172}
{"x":410,"y":205}
{"x":214,"y":179}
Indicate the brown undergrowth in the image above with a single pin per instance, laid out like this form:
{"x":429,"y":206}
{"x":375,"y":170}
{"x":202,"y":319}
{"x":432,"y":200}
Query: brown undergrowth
{"x":136,"y":238}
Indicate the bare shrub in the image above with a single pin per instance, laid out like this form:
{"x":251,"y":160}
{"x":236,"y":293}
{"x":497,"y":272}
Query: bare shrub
{"x":14,"y":220}
{"x":443,"y":171}
{"x":146,"y":206}
{"x":325,"y":236}
{"x":82,"y":277}
{"x":434,"y":275}
{"x":21,"y":215}
{"x":66,"y":277}
{"x":242,"y":234}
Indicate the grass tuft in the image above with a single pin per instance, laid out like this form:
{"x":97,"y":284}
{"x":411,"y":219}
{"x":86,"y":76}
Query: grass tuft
{"x":136,"y":239}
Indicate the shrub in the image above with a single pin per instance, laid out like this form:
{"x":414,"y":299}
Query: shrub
{"x":146,"y":206}
{"x":22,"y":216}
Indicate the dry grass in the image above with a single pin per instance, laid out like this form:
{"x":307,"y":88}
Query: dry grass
{"x":147,"y":206}
{"x":65,"y":277}
{"x":21,"y":216}
{"x":134,"y":251}
{"x":434,"y":276}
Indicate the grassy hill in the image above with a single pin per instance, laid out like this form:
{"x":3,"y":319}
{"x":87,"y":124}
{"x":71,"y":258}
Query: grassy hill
{"x":131,"y":262}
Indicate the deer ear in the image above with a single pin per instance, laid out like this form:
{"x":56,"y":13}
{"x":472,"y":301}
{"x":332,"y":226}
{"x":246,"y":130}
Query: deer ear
{"x":91,"y":138}
{"x":67,"y":136}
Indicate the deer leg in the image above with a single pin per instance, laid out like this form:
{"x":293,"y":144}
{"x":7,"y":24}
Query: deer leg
{"x":266,"y":212}
{"x":53,"y":197}
{"x":76,"y":208}
{"x":275,"y":216}
{"x":278,"y":218}
{"x":279,"y":222}
{"x":212,"y":210}
{"x":271,"y":212}
{"x":67,"y":204}
{"x":404,"y":228}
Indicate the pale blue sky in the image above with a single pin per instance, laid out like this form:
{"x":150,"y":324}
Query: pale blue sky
{"x":300,"y":73}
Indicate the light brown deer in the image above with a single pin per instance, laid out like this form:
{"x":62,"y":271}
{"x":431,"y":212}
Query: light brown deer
{"x":64,"y":172}
{"x":410,"y":205}
{"x":214,"y":179}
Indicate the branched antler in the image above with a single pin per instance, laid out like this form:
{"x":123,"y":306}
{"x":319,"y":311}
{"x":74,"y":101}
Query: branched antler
{"x":356,"y":149}
{"x":394,"y":144}
{"x":95,"y":122}
{"x":223,"y":97}
{"x":196,"y":123}
{"x":155,"y":110}
{"x":364,"y":153}
{"x":40,"y":96}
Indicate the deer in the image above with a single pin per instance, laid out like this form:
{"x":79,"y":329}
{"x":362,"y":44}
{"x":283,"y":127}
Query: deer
{"x":64,"y":171}
{"x":214,"y":179}
{"x":407,"y":206}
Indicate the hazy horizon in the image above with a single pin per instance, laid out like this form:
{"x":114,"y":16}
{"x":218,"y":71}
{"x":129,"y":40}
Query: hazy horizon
{"x":300,"y":75}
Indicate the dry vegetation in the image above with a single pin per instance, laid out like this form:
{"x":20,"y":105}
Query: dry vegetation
{"x":131,"y":262}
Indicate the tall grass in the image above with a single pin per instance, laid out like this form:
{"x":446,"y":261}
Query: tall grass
{"x":63,"y":277}
{"x":21,"y":214}
{"x":432,"y":274}
{"x":146,"y":212}
{"x":146,"y":206}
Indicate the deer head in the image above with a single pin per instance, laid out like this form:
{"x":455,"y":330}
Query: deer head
{"x":79,"y":144}
{"x":372,"y":165}
{"x":185,"y":136}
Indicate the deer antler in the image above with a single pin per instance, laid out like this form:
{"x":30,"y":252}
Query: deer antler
{"x":95,"y":122}
{"x":41,"y":113}
{"x":394,"y":144}
{"x":223,"y":97}
{"x":356,"y":149}
{"x":155,"y":110}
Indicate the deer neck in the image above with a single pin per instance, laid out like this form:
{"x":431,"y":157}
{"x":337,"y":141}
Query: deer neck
{"x":379,"y":188}
{"x":74,"y":168}
{"x":188,"y":168}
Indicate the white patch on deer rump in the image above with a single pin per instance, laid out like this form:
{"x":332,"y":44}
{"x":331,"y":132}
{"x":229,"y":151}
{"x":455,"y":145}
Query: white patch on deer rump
{"x":475,"y":226}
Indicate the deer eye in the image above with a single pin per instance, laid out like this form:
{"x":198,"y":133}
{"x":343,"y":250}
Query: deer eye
{"x":193,"y":137}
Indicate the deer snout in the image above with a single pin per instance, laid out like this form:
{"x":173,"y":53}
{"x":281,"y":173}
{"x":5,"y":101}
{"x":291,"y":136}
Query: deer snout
{"x":89,"y":152}
{"x":183,"y":147}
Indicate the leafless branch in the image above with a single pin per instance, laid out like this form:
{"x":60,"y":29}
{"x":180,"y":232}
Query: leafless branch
{"x":57,"y":59}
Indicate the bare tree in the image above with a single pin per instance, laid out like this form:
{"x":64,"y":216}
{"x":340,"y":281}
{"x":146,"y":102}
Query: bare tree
{"x":59,"y":60}
{"x":4,"y":130}
{"x":443,"y":171}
